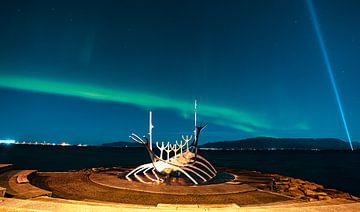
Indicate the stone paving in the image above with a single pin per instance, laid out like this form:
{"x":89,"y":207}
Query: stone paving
{"x":78,"y":186}
{"x":101,"y":190}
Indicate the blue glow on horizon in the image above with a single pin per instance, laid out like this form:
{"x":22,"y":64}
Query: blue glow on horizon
{"x":328,"y":65}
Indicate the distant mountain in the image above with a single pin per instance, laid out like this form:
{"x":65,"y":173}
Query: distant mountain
{"x":122,"y":144}
{"x":267,"y":143}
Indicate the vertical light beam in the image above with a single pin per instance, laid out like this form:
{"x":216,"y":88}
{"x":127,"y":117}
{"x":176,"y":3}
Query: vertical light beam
{"x":319,"y":36}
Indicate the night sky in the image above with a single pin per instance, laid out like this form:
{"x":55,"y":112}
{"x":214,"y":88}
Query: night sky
{"x":89,"y":71}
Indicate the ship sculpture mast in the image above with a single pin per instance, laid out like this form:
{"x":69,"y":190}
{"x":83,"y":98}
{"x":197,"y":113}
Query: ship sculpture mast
{"x":181,"y":157}
{"x":195,"y":119}
{"x":150,"y":129}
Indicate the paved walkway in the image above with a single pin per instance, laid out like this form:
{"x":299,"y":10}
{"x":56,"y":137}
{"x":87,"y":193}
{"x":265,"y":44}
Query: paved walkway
{"x":51,"y":204}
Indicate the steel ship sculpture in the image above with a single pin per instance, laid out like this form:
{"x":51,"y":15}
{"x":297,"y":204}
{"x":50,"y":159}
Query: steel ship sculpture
{"x":180,"y":159}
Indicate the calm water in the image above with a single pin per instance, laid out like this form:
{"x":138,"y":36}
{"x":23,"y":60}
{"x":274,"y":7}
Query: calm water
{"x":335,"y":169}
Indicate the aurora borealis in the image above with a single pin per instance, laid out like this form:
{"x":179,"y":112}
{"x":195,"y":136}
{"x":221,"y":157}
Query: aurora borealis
{"x":89,"y":73}
{"x":223,"y":116}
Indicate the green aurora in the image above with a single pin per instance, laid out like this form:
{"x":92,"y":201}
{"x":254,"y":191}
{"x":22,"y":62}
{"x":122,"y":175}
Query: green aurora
{"x":228,"y":117}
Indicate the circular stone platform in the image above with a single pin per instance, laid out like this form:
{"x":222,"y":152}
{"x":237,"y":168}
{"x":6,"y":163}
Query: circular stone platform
{"x":244,"y":188}
{"x":224,"y":184}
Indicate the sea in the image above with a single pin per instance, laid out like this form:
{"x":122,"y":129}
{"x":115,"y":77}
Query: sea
{"x":333,"y":169}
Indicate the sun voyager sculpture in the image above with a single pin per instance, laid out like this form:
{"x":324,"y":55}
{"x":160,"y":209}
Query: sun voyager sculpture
{"x":180,"y":159}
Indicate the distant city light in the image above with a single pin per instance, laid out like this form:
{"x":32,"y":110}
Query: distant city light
{"x":64,"y":144}
{"x":7,"y":141}
{"x":39,"y":143}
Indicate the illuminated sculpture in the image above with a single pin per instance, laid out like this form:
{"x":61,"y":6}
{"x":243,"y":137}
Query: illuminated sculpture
{"x":181,"y":158}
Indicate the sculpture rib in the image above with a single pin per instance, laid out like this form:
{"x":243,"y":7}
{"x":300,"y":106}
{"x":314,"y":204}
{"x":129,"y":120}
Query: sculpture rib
{"x":137,"y":177}
{"x":134,"y":170}
{"x":197,"y":174}
{"x":206,"y":161}
{"x":187,"y":175}
{"x":154,"y":173}
{"x":198,"y":162}
{"x":202,"y":171}
{"x":147,"y":176}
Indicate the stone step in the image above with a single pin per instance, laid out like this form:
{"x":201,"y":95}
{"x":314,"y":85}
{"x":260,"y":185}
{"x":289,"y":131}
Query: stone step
{"x":53,"y":204}
{"x":22,"y":176}
{"x":24,"y":190}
